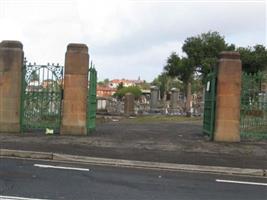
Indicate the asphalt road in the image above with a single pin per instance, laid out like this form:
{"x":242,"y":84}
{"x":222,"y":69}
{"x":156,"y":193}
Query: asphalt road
{"x":50,"y":180}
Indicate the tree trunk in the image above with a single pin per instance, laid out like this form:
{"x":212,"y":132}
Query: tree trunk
{"x":188,"y":99}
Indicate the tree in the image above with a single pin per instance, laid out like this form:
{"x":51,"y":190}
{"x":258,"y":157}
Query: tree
{"x":132,"y":89}
{"x":203,"y":50}
{"x":254,"y":59}
{"x":103,"y":83}
{"x":120,"y":86}
{"x":183,"y":69}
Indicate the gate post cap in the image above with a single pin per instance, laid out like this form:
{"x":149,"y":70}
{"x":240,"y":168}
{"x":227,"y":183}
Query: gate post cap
{"x":229,"y":55}
{"x":77,"y":47}
{"x":11,"y":44}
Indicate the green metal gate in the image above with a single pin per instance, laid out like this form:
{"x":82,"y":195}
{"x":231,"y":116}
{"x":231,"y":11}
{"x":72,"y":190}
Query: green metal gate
{"x":253,"y":111}
{"x":41,"y":97}
{"x":91,"y":99}
{"x":210,"y":104}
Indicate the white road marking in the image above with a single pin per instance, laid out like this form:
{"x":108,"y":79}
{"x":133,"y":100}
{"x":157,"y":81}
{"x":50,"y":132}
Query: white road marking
{"x":241,"y":182}
{"x":59,"y":167}
{"x":17,"y":198}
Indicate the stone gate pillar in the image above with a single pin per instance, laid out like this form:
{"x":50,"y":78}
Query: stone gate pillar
{"x":75,"y":90}
{"x":11,"y":62}
{"x":227,"y":119}
{"x":129,"y":104}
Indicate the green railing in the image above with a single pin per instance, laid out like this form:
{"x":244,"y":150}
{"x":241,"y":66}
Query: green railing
{"x":91,"y":100}
{"x":253,"y":111}
{"x":41,"y":97}
{"x":210,"y":104}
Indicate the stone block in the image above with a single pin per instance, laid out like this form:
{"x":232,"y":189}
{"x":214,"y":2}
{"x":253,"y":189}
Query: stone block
{"x":76,"y":80}
{"x":75,"y":93}
{"x":11,"y":62}
{"x":227,"y":131}
{"x":75,"y":90}
{"x":76,"y":59}
{"x":227,"y":119}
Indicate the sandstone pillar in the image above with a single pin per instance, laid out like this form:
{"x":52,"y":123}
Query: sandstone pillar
{"x":227,"y":120}
{"x":75,"y":90}
{"x":129,"y":104}
{"x":11,"y":62}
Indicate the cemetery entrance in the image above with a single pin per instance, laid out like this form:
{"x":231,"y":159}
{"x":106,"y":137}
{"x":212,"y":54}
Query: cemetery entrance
{"x":41,"y":98}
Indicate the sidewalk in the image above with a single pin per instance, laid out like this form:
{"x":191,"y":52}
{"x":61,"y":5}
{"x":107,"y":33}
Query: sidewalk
{"x":168,"y":142}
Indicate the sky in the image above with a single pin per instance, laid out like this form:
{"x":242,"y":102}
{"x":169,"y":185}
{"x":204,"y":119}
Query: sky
{"x":127,"y":39}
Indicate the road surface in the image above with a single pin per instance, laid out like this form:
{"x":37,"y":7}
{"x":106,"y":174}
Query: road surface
{"x":32,"y":179}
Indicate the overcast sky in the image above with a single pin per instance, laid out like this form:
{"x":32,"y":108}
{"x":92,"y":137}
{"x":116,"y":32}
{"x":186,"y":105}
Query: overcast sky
{"x":126,"y":39}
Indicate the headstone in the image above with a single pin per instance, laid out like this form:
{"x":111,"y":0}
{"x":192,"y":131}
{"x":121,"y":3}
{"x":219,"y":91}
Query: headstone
{"x":174,"y":98}
{"x":154,"y":95}
{"x":129,"y":104}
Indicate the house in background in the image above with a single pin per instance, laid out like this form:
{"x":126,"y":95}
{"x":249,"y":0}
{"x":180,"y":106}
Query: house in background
{"x":105,"y":91}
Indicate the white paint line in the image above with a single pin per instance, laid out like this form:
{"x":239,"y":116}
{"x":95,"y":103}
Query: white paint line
{"x":17,"y":198}
{"x":59,"y":167}
{"x":241,"y":182}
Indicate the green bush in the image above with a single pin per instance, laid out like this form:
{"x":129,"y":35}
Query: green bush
{"x":132,"y":89}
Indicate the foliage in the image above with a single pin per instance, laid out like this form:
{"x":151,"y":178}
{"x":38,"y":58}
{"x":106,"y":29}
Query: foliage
{"x":253,"y":59}
{"x":182,"y":68}
{"x":164,"y":82}
{"x":144,"y":85}
{"x":132,"y":89}
{"x":203,"y":50}
{"x":120,"y":86}
{"x":103,"y":83}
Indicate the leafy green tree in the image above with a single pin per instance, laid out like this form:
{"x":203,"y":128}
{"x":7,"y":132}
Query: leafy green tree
{"x":203,"y":50}
{"x":183,"y":69}
{"x":132,"y":89}
{"x":254,"y":59}
{"x":120,"y":86}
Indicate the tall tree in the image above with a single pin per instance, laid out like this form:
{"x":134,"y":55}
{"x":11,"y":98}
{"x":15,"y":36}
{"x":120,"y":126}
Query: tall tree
{"x":183,"y":69}
{"x":254,"y":59}
{"x":203,"y":50}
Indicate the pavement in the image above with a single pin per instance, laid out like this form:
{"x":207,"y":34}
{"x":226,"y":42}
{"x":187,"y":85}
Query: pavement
{"x":29,"y":180}
{"x":170,"y":142}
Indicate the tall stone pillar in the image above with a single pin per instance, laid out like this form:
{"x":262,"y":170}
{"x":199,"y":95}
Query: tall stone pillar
{"x":227,"y":121}
{"x":129,"y":104}
{"x":174,"y":97}
{"x":11,"y":62}
{"x":75,"y":90}
{"x":154,"y":98}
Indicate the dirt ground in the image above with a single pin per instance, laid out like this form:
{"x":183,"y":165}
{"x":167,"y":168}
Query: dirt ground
{"x":175,"y":142}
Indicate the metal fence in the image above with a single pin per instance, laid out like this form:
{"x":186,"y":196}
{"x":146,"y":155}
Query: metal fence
{"x":253,"y":115}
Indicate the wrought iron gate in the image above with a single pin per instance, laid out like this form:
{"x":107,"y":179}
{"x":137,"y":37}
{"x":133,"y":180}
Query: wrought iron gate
{"x":41,"y":97}
{"x":210,"y":104}
{"x":253,"y":112}
{"x":91,"y":99}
